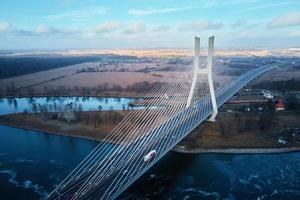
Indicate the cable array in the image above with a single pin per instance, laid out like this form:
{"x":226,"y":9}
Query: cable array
{"x":110,"y":168}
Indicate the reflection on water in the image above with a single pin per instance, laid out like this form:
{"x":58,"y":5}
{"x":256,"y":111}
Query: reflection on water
{"x":15,"y":105}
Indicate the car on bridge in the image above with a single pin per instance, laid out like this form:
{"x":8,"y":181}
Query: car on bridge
{"x":150,"y":156}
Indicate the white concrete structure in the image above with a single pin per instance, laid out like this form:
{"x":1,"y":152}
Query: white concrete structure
{"x":207,"y":71}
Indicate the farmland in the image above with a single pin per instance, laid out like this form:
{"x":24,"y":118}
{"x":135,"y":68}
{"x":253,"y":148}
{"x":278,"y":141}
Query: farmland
{"x":123,"y":72}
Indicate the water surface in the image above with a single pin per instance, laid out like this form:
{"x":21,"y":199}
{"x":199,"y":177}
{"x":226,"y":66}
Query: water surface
{"x":33,"y":163}
{"x":16,"y":105}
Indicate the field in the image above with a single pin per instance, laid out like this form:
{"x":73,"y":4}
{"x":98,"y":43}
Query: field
{"x":126,"y":72}
{"x":244,"y":52}
{"x":111,"y":75}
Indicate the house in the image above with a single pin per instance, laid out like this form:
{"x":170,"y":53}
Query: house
{"x":279,"y":106}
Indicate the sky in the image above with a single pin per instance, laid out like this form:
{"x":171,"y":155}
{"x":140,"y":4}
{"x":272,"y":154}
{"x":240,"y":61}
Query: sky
{"x":109,"y":24}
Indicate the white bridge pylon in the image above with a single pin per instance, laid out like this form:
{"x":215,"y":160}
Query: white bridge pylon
{"x":206,"y":71}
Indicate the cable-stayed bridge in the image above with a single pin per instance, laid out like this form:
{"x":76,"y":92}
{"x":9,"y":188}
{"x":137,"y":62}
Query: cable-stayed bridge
{"x":171,"y":110}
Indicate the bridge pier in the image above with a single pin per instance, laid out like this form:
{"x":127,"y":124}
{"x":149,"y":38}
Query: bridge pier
{"x":206,"y":71}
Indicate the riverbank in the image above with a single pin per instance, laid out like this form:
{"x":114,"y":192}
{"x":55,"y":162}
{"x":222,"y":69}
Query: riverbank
{"x":90,"y":125}
{"x":238,"y":132}
{"x":231,"y":133}
{"x":181,"y":149}
{"x":104,"y":95}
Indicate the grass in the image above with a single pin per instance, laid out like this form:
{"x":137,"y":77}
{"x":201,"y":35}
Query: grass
{"x":231,"y":131}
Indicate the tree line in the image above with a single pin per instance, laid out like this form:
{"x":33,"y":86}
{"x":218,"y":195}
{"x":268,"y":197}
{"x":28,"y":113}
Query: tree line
{"x":15,"y":66}
{"x":138,"y":87}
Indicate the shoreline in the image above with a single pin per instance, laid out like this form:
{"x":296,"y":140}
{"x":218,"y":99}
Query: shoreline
{"x":90,"y":96}
{"x":181,"y":149}
{"x":54,"y":133}
{"x":206,"y":138}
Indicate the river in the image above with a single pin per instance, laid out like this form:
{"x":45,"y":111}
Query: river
{"x":17,"y":105}
{"x":33,"y":163}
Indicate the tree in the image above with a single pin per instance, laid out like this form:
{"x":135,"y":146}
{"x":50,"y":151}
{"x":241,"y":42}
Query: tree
{"x":87,"y":118}
{"x":25,"y":112}
{"x":222,"y":127}
{"x":43,"y":109}
{"x":69,"y":116}
{"x":45,"y":90}
{"x":265,"y":121}
{"x":95,"y":120}
{"x":292,"y":102}
{"x":13,"y":87}
{"x":270,"y":106}
{"x":79,"y":113}
{"x":30,"y":91}
{"x":34,"y":108}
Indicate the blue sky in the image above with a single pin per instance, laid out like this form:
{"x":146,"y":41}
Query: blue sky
{"x":65,"y":24}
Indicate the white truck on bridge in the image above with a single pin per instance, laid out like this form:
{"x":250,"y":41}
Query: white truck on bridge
{"x":150,"y":156}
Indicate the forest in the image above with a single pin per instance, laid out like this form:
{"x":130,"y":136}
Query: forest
{"x":15,"y":66}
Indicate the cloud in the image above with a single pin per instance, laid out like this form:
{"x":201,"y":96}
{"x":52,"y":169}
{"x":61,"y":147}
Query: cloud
{"x":254,"y":24}
{"x":135,"y":28}
{"x":264,"y":6}
{"x":78,"y":15}
{"x":247,"y":24}
{"x":219,"y":3}
{"x":42,"y":29}
{"x":152,"y":11}
{"x":161,"y":28}
{"x":107,"y":27}
{"x":200,"y":25}
{"x":239,"y":23}
{"x":239,"y":2}
{"x":47,"y":30}
{"x":24,"y":32}
{"x":6,"y":27}
{"x":286,"y":20}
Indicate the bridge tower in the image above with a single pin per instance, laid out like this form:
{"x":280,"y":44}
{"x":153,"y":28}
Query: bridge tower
{"x":206,"y":71}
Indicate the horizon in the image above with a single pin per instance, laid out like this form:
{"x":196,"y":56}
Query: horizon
{"x":218,"y":48}
{"x":72,"y":24}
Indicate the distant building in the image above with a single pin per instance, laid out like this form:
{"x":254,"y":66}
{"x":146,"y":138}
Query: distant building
{"x":281,"y":140}
{"x":267,"y":94}
{"x":279,"y":106}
